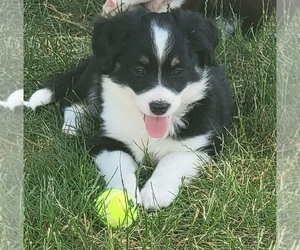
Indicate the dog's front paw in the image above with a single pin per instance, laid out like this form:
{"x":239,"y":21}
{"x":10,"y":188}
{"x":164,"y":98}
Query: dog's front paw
{"x":157,"y":195}
{"x":68,"y":129}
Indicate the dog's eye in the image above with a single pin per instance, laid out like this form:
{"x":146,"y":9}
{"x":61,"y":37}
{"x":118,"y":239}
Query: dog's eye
{"x":177,"y":72}
{"x":139,"y":71}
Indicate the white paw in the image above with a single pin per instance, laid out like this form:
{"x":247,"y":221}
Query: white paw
{"x":73,"y":119}
{"x":156,"y":195}
{"x":69,"y":129}
{"x":118,"y":170}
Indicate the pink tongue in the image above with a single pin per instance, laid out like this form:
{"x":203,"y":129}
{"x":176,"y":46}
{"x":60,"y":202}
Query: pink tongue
{"x":156,"y":126}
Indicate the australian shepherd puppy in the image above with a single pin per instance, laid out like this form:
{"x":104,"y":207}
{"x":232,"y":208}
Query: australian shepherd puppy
{"x":155,"y":89}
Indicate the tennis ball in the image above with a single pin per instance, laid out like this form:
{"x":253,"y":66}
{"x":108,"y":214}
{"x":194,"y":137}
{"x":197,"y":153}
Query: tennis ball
{"x":116,"y":208}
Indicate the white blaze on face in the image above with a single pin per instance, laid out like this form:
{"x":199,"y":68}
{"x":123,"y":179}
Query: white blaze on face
{"x":161,"y":40}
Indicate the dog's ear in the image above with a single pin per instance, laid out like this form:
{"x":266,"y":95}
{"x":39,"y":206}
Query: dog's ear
{"x":201,"y":33}
{"x":108,"y":40}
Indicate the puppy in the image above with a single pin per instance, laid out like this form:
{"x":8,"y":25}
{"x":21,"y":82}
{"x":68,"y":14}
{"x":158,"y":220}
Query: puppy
{"x":156,"y":91}
{"x":250,"y":12}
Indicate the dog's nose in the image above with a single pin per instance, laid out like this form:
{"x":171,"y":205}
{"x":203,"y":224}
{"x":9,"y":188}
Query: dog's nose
{"x":159,"y":107}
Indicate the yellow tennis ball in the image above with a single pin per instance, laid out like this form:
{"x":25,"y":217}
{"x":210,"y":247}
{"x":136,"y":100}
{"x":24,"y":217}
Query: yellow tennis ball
{"x":116,"y":208}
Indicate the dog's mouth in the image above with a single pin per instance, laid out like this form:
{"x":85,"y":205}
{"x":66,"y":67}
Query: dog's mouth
{"x":156,"y":126}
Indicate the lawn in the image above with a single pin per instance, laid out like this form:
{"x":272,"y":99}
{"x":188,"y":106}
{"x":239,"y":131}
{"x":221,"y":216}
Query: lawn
{"x":230,"y":206}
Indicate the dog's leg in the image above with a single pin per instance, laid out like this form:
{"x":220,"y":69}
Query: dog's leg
{"x":173,"y":170}
{"x":74,"y":119}
{"x":118,"y":169}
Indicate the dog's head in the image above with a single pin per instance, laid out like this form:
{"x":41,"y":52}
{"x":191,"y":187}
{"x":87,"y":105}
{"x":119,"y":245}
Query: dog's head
{"x":162,"y":58}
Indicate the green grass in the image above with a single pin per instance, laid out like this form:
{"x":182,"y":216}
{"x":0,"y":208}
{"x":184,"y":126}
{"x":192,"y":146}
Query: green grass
{"x":230,"y":206}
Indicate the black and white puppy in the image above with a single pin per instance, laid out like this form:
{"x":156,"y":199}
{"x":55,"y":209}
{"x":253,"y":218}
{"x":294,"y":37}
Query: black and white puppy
{"x":156,"y":89}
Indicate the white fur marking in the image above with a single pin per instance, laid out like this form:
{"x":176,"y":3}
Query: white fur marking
{"x":172,"y":170}
{"x":157,"y":149}
{"x":73,"y":117}
{"x":40,"y":97}
{"x":122,"y":119}
{"x":193,"y":92}
{"x":118,"y":169}
{"x":161,"y":41}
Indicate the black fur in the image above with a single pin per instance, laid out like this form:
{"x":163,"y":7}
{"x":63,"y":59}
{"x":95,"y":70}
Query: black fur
{"x":118,"y":40}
